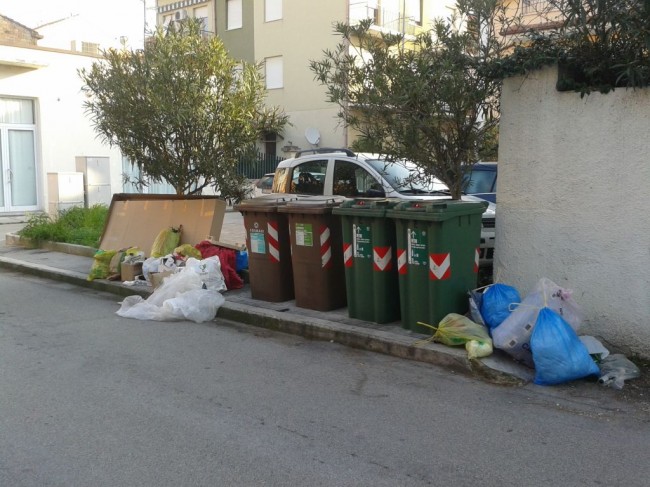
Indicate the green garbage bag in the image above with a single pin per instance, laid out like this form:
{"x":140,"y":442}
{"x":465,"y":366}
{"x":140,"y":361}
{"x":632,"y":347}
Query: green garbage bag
{"x":101,"y":267}
{"x":166,"y":241}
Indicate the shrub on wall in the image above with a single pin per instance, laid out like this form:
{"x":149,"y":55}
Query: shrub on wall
{"x":599,"y":45}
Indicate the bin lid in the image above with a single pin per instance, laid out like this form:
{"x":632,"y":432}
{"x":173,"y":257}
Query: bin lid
{"x":265,"y":203}
{"x":366,"y":206}
{"x":436,"y":210}
{"x":312,"y":204}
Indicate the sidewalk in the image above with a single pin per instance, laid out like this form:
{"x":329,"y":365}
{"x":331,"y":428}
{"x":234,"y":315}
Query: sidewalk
{"x":72,"y":263}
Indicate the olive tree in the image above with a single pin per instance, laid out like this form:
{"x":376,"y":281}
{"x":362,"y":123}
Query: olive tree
{"x":181,"y":109}
{"x":432,"y":98}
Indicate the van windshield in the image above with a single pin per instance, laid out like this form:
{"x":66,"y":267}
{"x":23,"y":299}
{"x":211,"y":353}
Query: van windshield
{"x":405,"y":177}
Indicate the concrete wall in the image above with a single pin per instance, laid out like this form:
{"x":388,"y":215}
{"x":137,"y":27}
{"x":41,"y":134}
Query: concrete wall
{"x":573,"y":201}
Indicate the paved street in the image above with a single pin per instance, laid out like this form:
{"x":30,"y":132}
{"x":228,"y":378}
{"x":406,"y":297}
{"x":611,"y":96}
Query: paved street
{"x":88,"y":398}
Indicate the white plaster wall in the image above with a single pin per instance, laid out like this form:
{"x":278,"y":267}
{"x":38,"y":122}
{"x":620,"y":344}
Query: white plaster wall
{"x":574,"y":202}
{"x":63,"y":129}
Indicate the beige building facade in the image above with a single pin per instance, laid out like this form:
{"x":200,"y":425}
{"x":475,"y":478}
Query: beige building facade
{"x":284,"y":36}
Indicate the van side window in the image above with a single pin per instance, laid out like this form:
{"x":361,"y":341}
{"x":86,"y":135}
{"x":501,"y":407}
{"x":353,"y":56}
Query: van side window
{"x":309,"y":178}
{"x":351,"y":180}
{"x":280,"y":180}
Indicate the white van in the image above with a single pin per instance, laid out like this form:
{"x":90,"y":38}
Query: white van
{"x":341,"y":172}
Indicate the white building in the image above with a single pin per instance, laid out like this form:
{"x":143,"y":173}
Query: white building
{"x":43,"y":127}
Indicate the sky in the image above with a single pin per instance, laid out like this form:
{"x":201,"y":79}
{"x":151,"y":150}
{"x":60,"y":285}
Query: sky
{"x":112,"y":18}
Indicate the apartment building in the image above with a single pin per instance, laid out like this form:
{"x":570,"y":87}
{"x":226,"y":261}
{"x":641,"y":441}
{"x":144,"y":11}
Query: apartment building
{"x":284,"y":35}
{"x":531,"y":14}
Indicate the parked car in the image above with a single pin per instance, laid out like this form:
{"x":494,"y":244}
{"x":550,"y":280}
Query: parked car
{"x":481,"y":181}
{"x":263,"y":185}
{"x":345,"y":173}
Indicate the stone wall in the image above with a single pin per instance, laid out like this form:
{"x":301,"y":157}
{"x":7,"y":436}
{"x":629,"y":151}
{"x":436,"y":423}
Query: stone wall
{"x":12,"y":32}
{"x":574,"y":203}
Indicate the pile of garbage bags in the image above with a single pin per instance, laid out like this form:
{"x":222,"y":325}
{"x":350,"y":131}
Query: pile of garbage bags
{"x":187,"y":279}
{"x":181,"y":296}
{"x":539,"y":331}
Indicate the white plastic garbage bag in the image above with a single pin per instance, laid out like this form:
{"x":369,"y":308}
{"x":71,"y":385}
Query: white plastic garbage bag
{"x":209,"y":270}
{"x":594,"y":346}
{"x":513,"y":335}
{"x":157,"y":264}
{"x":180,"y":297}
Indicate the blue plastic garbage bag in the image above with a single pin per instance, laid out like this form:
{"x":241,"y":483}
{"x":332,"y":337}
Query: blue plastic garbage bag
{"x":241,"y":260}
{"x":495,"y":305}
{"x":558,"y":354}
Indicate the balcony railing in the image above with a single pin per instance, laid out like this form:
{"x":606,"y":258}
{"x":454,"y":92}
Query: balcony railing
{"x":381,"y":17}
{"x":534,"y":6}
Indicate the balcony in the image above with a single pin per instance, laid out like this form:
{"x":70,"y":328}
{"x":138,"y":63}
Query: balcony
{"x":384,"y":19}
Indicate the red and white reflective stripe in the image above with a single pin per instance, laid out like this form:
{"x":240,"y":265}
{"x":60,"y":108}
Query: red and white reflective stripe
{"x":274,"y":246}
{"x":476,"y":258}
{"x":347,"y":254}
{"x":382,"y":259}
{"x":325,"y":247}
{"x":439,"y":267}
{"x":401,"y":261}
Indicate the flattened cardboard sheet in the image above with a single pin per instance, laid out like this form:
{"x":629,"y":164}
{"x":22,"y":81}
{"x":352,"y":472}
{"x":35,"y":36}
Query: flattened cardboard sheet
{"x":134,"y":220}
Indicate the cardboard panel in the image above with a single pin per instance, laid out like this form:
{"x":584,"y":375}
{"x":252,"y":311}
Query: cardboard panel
{"x":134,"y":220}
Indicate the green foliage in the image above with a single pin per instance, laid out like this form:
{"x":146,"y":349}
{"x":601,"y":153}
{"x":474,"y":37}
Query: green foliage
{"x":181,"y":109}
{"x":433,"y":99}
{"x":81,"y":226}
{"x":599,"y":46}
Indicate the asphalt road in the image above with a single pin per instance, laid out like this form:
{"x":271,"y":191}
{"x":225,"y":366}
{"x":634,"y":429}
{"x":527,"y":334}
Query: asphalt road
{"x":89,"y":398}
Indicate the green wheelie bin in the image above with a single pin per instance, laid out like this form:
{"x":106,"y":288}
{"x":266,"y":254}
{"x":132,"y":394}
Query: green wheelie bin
{"x":369,"y":259}
{"x":437,"y":258}
{"x":316,"y":256}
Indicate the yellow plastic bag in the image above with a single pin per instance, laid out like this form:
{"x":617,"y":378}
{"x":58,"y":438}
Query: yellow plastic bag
{"x":455,"y":330}
{"x":478,"y":349}
{"x":187,"y":250}
{"x":101,"y":264}
{"x":166,"y":241}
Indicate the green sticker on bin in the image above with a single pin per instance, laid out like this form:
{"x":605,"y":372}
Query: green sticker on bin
{"x":362,"y":238}
{"x":417,"y":247}
{"x":304,"y":235}
{"x":258,"y":241}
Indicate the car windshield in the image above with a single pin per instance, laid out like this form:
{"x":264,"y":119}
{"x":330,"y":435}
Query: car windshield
{"x":405,"y":177}
{"x":479,"y":181}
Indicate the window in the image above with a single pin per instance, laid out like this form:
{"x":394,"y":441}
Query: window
{"x":234,"y":14}
{"x":201,"y":14}
{"x":414,"y":11}
{"x":14,"y":110}
{"x":270,"y":143}
{"x":273,"y":10}
{"x":309,"y":178}
{"x":274,"y":72}
{"x":351,"y":180}
{"x":131,"y":176}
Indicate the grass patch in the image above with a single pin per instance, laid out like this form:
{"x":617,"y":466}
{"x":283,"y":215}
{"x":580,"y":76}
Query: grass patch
{"x":81,"y":226}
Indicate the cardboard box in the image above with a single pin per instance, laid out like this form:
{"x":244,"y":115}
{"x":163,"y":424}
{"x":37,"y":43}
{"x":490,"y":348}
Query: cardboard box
{"x":135,"y":220}
{"x":130,"y":271}
{"x":157,"y":277}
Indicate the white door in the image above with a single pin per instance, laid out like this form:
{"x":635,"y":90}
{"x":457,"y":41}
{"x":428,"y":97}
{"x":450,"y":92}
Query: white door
{"x":18,"y":182}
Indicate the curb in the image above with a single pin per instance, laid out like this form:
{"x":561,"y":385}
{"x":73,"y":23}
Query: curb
{"x":491,"y":369}
{"x":16,"y":240}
